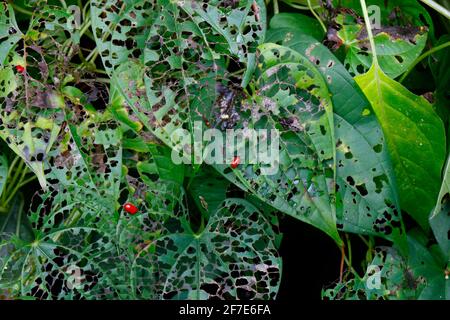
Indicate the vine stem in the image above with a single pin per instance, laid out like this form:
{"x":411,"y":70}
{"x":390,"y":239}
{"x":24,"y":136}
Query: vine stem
{"x":300,"y":7}
{"x":316,"y":16}
{"x":423,"y":56}
{"x":341,"y":269}
{"x":369,"y":32}
{"x":436,"y":6}
{"x":19,"y":215}
{"x":276,"y":9}
{"x":20,"y":9}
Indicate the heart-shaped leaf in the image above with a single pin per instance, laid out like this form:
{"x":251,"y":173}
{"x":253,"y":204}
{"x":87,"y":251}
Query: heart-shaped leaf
{"x":366,"y":197}
{"x":234,"y":257}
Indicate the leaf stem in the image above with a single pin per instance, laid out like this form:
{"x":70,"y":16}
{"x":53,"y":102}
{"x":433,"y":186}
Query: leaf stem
{"x":317,"y":16}
{"x":17,"y":187}
{"x":20,"y":9}
{"x":436,"y":6}
{"x":369,"y":32}
{"x":423,"y":56}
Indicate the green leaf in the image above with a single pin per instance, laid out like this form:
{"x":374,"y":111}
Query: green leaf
{"x":395,"y":12}
{"x":366,"y":196}
{"x":185,"y":59}
{"x":10,"y":33}
{"x":121,"y":29}
{"x":31,"y":108}
{"x":234,"y":257}
{"x":299,"y":22}
{"x":208,"y":189}
{"x":391,"y":276}
{"x":440,"y":218}
{"x":397,"y":47}
{"x":415,"y":137}
{"x":292,"y":98}
{"x":165,"y":168}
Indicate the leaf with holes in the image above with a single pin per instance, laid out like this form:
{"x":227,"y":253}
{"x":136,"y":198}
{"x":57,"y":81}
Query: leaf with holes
{"x":394,"y":12}
{"x":397,"y":47}
{"x":415,"y":137}
{"x":366,"y":192}
{"x":120,"y":29}
{"x":233,"y":257}
{"x":300,"y":23}
{"x":10,"y":33}
{"x":293,"y":98}
{"x":184,"y":63}
{"x":31,"y":107}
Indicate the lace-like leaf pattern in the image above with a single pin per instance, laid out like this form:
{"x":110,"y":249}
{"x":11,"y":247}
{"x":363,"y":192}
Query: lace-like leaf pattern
{"x":234,"y":257}
{"x":30,"y":104}
{"x":185,"y":59}
{"x":294,"y":99}
{"x":121,"y":28}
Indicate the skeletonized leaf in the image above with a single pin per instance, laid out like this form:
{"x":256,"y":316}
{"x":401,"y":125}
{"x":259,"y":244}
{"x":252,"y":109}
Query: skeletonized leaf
{"x":234,"y":257}
{"x":292,"y":98}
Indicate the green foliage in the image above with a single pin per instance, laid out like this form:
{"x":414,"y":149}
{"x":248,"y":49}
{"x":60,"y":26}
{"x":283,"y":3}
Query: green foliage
{"x":90,"y":99}
{"x":416,"y":139}
{"x":367,"y":201}
{"x":397,"y":47}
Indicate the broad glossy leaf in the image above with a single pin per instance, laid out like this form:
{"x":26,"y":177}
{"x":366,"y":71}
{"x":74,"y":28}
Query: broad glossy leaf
{"x":299,"y":22}
{"x":293,"y":98}
{"x":366,"y":201}
{"x":416,"y":140}
{"x":234,"y":257}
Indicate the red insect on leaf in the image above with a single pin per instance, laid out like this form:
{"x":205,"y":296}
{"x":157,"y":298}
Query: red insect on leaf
{"x":20,"y":68}
{"x":130,"y":208}
{"x":235,"y":163}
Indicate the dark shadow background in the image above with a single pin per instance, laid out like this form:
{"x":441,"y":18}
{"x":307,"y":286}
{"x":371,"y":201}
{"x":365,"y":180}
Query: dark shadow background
{"x":311,"y":261}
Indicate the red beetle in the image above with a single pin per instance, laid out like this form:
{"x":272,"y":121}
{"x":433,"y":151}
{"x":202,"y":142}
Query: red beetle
{"x":20,"y":68}
{"x":235,"y":162}
{"x":130,"y":208}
